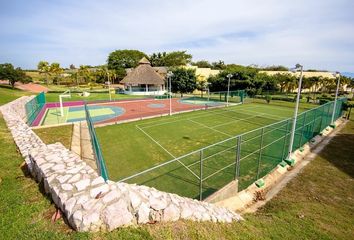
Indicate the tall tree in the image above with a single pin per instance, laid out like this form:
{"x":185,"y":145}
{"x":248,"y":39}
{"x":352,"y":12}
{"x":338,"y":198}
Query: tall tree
{"x":183,"y":80}
{"x":121,"y":59}
{"x":170,"y":59}
{"x":8,"y":72}
{"x":202,"y":64}
{"x":56,"y":70}
{"x":158,"y":59}
{"x":44,"y":68}
{"x":177,"y":58}
{"x":202,"y":86}
{"x":218,"y":65}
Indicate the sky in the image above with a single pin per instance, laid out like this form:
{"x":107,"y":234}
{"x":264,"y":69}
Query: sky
{"x":319,"y":34}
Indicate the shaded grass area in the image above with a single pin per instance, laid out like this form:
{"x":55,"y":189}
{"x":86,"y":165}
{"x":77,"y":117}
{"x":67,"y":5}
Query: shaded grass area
{"x":62,"y":134}
{"x":317,"y":204}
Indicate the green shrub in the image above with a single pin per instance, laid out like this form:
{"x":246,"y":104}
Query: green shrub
{"x":268,"y":98}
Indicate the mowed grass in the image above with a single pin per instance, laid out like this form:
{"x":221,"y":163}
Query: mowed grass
{"x":62,"y":134}
{"x":130,"y":148}
{"x":7,"y":94}
{"x":317,"y":204}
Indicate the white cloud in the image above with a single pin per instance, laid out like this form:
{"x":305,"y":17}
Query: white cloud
{"x":319,"y":34}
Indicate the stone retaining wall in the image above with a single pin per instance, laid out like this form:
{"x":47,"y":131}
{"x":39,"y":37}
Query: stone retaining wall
{"x":87,"y":201}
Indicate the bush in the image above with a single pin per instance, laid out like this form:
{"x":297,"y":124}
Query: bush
{"x":324,"y":101}
{"x":268,"y":98}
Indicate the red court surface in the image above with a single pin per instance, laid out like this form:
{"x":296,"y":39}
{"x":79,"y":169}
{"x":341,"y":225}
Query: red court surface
{"x":139,"y":109}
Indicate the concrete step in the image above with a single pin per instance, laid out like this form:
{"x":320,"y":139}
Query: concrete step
{"x":86,"y":146}
{"x":75,"y":140}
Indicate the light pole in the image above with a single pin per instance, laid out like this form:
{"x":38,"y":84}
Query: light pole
{"x":228,"y":88}
{"x":335,"y":99}
{"x":293,"y":129}
{"x":169,"y":76}
{"x":109,"y":87}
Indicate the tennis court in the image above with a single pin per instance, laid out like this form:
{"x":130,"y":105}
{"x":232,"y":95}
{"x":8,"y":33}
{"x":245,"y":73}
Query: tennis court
{"x":138,"y":146}
{"x":115,"y":111}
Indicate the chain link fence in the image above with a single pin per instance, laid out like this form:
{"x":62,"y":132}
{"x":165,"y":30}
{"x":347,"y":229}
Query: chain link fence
{"x":101,"y":165}
{"x":34,"y":107}
{"x":246,"y":157}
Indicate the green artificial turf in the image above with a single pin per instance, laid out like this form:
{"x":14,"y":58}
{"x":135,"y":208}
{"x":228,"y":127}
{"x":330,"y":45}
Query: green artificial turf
{"x":130,"y":148}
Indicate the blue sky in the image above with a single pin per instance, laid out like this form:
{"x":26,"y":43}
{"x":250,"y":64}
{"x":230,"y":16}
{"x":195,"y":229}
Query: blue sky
{"x":318,"y":34}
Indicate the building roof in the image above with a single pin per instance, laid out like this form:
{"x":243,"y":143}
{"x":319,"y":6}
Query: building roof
{"x":143,"y":74}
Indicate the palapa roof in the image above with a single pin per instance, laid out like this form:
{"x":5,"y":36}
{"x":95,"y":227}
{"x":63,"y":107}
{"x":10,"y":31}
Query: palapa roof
{"x":143,"y":74}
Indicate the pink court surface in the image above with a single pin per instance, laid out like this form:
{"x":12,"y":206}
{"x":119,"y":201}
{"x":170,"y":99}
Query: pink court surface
{"x":117,"y":111}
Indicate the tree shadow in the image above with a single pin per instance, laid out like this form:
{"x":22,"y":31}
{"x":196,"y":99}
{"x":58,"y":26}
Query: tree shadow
{"x":340,"y":152}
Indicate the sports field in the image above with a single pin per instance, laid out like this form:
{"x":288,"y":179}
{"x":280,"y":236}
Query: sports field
{"x":103,"y":112}
{"x":130,"y":148}
{"x":77,"y":113}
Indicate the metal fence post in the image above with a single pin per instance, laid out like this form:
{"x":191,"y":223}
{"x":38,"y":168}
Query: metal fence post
{"x":260,"y":153}
{"x":329,"y":108}
{"x":285,"y":136}
{"x":322,"y":114}
{"x":201,"y":177}
{"x":302,"y":129}
{"x":314,"y":123}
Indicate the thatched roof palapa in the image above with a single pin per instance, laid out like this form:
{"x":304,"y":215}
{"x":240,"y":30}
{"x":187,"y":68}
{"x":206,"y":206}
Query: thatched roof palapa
{"x":143,"y":74}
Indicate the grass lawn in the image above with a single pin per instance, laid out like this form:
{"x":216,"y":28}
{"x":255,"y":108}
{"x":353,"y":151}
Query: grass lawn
{"x":140,"y":145}
{"x":317,"y":204}
{"x":7,"y":94}
{"x":62,"y":134}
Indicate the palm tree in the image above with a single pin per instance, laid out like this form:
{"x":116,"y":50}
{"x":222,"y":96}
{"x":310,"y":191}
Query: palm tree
{"x":56,"y":70}
{"x":44,"y":68}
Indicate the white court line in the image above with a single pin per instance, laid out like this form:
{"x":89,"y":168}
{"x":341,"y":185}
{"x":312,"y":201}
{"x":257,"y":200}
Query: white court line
{"x":242,"y":119}
{"x":181,"y":118}
{"x":122,"y":101}
{"x":178,"y":120}
{"x":167,"y":151}
{"x":275,"y":117}
{"x":203,"y":125}
{"x":156,"y":142}
{"x":213,"y":111}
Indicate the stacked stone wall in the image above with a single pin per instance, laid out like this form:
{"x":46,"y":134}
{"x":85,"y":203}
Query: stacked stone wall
{"x":87,"y":201}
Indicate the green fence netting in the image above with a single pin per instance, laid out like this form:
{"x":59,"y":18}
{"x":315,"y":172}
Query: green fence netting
{"x":246,"y":157}
{"x":34,"y":107}
{"x":101,"y":165}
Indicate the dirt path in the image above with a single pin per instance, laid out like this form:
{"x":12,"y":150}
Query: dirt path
{"x":30,"y":87}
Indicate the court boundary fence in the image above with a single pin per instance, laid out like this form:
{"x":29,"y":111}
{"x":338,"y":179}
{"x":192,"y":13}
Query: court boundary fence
{"x":262,"y":148}
{"x":34,"y":107}
{"x":101,"y":165}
